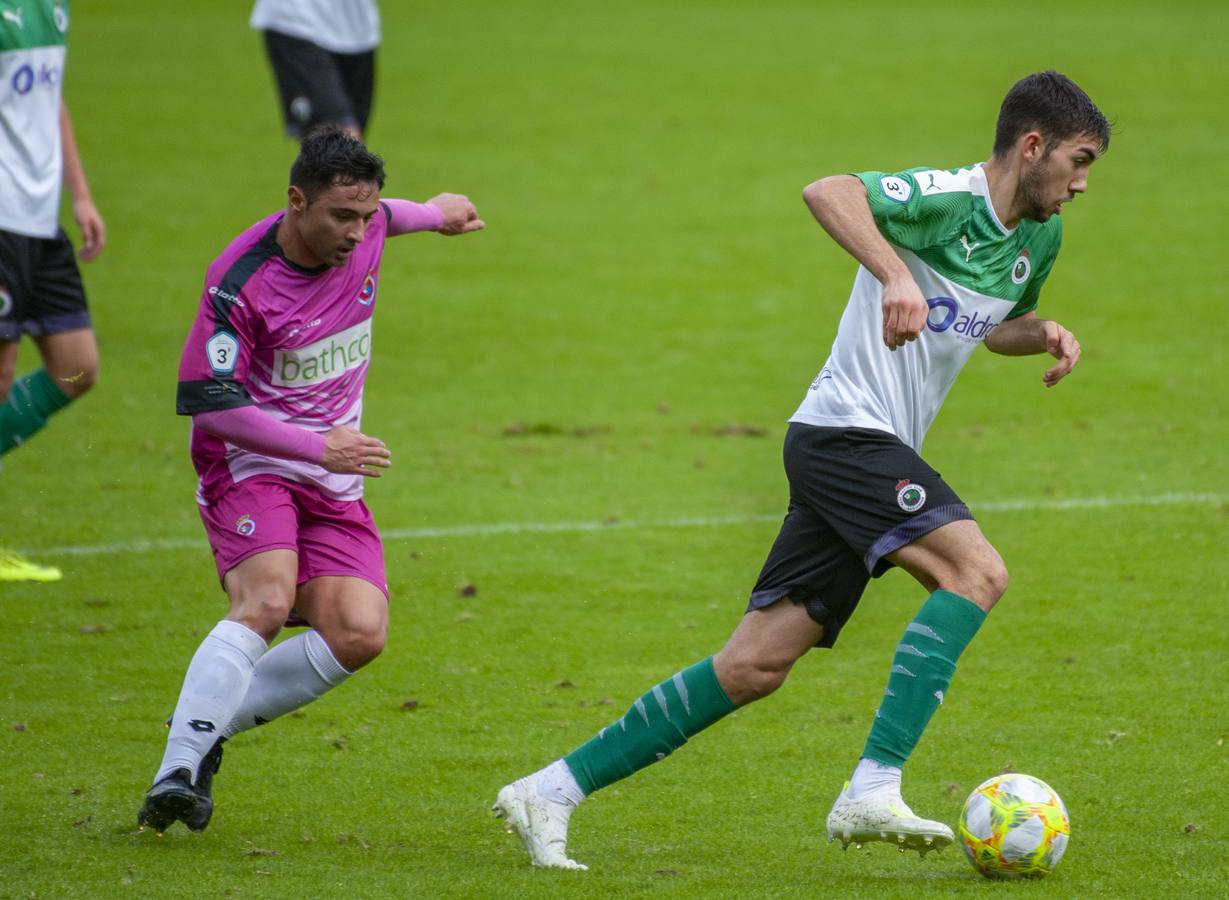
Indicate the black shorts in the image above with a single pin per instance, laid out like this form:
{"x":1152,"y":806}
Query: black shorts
{"x":40,"y":286}
{"x":855,"y":496}
{"x":318,"y":86}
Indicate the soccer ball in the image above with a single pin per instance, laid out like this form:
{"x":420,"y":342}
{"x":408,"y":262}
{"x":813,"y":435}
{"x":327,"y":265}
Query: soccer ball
{"x":1014,"y":826}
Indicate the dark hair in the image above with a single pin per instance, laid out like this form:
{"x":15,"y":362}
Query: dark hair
{"x":329,"y":156}
{"x":1052,"y":104}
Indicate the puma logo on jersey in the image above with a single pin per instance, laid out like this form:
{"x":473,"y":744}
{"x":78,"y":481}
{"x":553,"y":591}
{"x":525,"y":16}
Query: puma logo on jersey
{"x":14,"y":16}
{"x":968,"y":248}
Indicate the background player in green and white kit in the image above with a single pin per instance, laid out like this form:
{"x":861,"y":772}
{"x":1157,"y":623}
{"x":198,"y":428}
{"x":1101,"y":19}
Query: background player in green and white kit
{"x":950,"y":259}
{"x":40,"y":286}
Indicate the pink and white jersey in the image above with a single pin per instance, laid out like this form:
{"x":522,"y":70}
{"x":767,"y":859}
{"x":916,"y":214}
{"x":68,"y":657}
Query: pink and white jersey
{"x":295,"y":342}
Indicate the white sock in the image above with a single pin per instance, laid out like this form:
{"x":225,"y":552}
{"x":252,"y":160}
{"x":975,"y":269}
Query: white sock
{"x":292,"y":674}
{"x":216,"y":680}
{"x":870,"y":777}
{"x":556,"y":782}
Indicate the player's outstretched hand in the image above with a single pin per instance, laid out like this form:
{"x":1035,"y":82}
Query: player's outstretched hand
{"x":93,"y":229}
{"x":904,"y":312}
{"x":460,"y":216}
{"x":1062,"y":345}
{"x":350,"y":452}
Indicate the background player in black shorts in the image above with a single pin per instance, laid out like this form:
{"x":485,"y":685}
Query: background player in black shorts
{"x":41,"y":294}
{"x":322,"y":53}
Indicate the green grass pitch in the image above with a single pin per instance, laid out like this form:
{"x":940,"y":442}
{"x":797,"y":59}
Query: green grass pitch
{"x":616,"y":356}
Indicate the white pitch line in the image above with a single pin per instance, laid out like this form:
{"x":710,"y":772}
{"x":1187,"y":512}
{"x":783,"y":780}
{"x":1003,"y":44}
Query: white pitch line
{"x":150,"y":545}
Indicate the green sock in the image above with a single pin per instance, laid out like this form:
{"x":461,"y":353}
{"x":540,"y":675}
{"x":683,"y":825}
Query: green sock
{"x":656,"y":725}
{"x":31,"y":402}
{"x":922,"y":669}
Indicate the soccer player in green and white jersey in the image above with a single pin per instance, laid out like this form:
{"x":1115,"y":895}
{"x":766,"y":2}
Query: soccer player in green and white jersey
{"x":41,"y":293}
{"x":949,"y":259}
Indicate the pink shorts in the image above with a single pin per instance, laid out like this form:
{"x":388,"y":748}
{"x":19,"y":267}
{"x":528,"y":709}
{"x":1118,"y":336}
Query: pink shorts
{"x":332,"y":537}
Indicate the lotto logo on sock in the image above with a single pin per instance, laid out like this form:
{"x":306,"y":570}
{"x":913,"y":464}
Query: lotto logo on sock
{"x":201,"y":725}
{"x":245,"y":525}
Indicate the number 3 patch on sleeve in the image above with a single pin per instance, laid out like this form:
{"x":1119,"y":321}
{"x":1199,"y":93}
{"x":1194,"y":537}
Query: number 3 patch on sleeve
{"x":222,"y":350}
{"x":896,"y":188}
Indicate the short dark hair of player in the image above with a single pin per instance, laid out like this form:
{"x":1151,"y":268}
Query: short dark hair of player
{"x":329,"y":156}
{"x":1053,"y":104}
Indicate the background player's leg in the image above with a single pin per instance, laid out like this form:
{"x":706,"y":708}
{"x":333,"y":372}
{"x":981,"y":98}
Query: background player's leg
{"x":753,"y":663}
{"x":8,"y":366}
{"x":70,"y":358}
{"x":309,"y":84}
{"x":70,"y":361}
{"x":61,"y":323}
{"x":357,"y":73}
{"x":32,"y":400}
{"x":70,"y":368}
{"x":350,"y":623}
{"x":14,"y":567}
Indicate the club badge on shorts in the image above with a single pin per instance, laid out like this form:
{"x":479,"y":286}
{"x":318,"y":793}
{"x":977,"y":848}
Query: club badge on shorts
{"x":910,"y":496}
{"x":245,"y":525}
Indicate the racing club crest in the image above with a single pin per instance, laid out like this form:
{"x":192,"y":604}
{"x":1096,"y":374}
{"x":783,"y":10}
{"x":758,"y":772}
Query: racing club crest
{"x":910,"y":496}
{"x":1021,"y":268}
{"x":367,"y":295}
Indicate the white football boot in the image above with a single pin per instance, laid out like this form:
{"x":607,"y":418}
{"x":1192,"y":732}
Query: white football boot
{"x":883,"y":816}
{"x":540,"y":823}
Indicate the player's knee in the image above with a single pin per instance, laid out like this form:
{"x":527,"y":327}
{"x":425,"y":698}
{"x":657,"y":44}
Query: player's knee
{"x":8,"y":371}
{"x":265,"y":613}
{"x":355,"y":647}
{"x":985,"y":582}
{"x":262,"y":606}
{"x":997,"y":581}
{"x":76,"y":383}
{"x":994,"y":579}
{"x":745,"y":680}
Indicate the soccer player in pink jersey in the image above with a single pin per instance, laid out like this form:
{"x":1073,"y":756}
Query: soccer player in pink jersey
{"x":272,"y":375}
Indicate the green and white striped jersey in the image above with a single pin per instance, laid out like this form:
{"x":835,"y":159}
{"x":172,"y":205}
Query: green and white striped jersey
{"x":973,"y":272}
{"x":32,"y":45}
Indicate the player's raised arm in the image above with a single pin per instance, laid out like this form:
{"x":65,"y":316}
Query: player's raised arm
{"x":1027,"y":335}
{"x":460,"y":215}
{"x":447,"y":214}
{"x":839,"y":204}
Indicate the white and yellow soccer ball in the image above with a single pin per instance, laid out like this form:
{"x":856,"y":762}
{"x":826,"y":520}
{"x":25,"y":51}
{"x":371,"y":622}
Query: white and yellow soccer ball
{"x":1014,"y":826}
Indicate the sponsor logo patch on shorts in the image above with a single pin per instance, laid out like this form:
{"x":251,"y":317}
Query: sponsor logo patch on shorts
{"x":245,"y":525}
{"x":910,"y":496}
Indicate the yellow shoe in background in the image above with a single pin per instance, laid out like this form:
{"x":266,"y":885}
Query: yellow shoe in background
{"x":17,"y":568}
